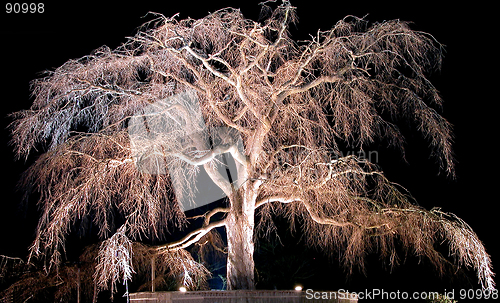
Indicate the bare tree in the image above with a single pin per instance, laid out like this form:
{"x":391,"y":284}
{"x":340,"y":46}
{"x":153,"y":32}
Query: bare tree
{"x":279,"y":108}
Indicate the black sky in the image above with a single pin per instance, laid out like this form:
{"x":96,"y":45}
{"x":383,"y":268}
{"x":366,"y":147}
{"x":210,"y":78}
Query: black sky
{"x":31,"y":43}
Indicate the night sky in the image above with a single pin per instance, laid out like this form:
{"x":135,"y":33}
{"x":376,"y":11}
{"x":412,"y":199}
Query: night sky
{"x":32,"y":43}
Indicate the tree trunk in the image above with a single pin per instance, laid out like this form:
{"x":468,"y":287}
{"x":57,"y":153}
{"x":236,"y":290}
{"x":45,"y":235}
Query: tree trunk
{"x":240,"y":229}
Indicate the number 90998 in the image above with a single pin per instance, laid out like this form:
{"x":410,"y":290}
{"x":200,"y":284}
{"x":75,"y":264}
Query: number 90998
{"x":25,"y":8}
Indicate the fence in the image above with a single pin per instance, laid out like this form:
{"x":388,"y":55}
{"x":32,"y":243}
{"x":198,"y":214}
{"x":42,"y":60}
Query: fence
{"x":234,"y":296}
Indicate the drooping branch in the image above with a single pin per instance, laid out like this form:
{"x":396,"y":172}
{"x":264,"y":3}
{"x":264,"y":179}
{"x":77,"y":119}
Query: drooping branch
{"x":374,"y":219}
{"x":114,"y":261}
{"x":312,"y":213}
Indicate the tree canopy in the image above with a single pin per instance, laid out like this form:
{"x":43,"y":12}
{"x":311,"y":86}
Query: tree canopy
{"x":283,"y":110}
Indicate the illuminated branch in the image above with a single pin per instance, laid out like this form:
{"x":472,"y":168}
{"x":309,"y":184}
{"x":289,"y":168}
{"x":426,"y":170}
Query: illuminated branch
{"x":204,"y":159}
{"x":192,"y":237}
{"x":219,"y":180}
{"x":305,"y":87}
{"x":314,"y":215}
{"x":208,"y":215}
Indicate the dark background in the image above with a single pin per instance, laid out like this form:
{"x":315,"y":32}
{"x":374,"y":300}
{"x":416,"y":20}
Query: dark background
{"x":32,"y":43}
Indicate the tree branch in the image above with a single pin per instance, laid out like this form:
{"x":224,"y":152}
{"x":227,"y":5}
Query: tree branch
{"x":210,"y":155}
{"x":192,"y":237}
{"x":308,"y":86}
{"x":208,"y":215}
{"x":219,"y":180}
{"x":312,"y":213}
{"x":206,"y":158}
{"x":331,"y":175}
{"x":210,"y":67}
{"x":204,"y":87}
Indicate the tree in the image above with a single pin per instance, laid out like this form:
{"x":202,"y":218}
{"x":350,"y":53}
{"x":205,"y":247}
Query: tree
{"x":130,"y":130}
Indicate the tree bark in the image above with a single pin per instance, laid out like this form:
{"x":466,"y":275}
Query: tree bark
{"x":240,"y":230}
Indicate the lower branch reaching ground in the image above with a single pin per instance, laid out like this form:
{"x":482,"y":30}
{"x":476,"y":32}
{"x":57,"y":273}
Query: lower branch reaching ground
{"x":172,"y":264}
{"x":118,"y":254}
{"x":417,"y":229}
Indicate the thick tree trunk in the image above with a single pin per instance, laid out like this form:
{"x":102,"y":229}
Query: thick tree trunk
{"x":240,"y":229}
